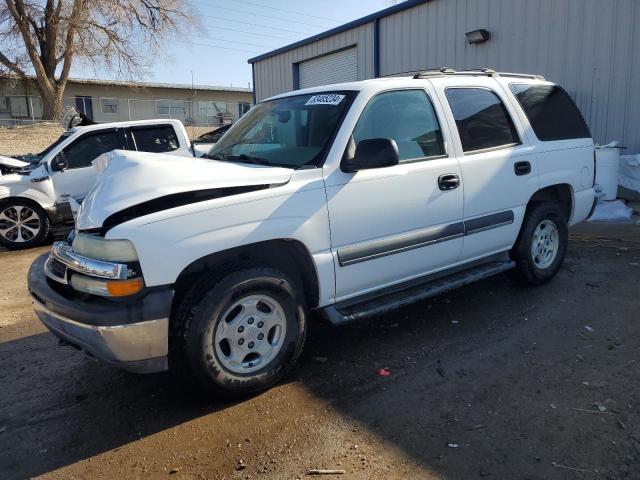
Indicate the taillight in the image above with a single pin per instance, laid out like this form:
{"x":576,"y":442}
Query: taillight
{"x":594,"y":167}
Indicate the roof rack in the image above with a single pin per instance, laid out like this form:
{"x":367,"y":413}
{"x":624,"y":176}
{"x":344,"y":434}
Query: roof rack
{"x":445,"y":71}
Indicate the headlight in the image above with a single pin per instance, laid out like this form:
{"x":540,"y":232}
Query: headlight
{"x":99,"y":248}
{"x":106,"y":288}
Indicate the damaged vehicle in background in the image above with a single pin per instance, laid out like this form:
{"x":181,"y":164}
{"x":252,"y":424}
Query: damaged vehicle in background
{"x":37,"y":191}
{"x":346,"y":200}
{"x":207,"y":141}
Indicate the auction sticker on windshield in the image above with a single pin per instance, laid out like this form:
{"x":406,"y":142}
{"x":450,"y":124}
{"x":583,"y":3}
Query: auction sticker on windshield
{"x":326,"y":99}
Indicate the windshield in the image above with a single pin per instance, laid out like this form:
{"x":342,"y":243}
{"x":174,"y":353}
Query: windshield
{"x":289,"y":132}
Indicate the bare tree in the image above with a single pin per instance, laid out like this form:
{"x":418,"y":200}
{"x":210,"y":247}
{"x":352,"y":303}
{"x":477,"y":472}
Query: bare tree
{"x":48,"y":36}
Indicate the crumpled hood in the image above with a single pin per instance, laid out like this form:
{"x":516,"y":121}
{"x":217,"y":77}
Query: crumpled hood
{"x":128,"y":179}
{"x":11,"y":165}
{"x":24,"y":176}
{"x":12,"y":162}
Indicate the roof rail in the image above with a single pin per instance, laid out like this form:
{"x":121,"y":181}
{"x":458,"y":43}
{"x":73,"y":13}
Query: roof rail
{"x":522,"y":75}
{"x":445,"y":71}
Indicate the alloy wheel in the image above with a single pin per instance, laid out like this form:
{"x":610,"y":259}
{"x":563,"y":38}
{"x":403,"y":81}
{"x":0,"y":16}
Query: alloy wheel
{"x":19,"y":224}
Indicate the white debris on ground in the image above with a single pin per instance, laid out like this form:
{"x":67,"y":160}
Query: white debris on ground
{"x":611,"y":212}
{"x":629,"y":173}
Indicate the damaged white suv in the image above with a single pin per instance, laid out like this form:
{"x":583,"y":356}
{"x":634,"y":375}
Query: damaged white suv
{"x":345,"y":200}
{"x":37,"y":191}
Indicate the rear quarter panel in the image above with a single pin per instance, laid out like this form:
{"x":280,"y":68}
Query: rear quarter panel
{"x":567,"y":162}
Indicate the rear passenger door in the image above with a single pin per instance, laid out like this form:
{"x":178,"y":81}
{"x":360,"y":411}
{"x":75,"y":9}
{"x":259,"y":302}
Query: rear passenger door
{"x":498,"y":164}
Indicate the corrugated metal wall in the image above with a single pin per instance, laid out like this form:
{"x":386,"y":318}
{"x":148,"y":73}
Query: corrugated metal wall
{"x":591,"y":47}
{"x":275,"y":75}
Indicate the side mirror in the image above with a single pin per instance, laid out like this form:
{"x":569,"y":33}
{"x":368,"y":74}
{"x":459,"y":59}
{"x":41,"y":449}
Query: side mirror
{"x":60,"y":163}
{"x":372,"y":153}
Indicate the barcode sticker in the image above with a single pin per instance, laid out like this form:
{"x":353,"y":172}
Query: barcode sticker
{"x":326,"y":99}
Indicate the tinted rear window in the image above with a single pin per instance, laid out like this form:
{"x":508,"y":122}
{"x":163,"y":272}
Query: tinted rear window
{"x":482,"y":119}
{"x":551,"y":112}
{"x":155,"y":139}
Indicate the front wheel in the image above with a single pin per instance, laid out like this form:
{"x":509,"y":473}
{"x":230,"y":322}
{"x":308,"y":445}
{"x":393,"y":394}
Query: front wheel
{"x":244,"y":331}
{"x":23,"y":224}
{"x":540,"y":248}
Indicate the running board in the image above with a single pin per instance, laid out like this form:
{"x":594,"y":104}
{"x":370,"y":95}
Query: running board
{"x":352,"y":310}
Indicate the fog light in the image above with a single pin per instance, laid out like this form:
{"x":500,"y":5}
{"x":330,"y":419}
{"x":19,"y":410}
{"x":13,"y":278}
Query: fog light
{"x":106,"y":288}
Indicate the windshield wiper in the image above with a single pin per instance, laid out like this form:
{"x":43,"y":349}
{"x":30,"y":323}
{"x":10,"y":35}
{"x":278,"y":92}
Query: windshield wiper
{"x":244,"y":158}
{"x":247,"y":159}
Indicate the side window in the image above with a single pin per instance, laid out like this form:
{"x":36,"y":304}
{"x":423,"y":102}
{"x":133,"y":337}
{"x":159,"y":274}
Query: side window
{"x":551,"y":112}
{"x":406,"y":116}
{"x":481,"y":118}
{"x":155,"y":139}
{"x":89,"y":147}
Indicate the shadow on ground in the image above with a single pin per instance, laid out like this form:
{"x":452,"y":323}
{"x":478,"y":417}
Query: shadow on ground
{"x":492,"y":379}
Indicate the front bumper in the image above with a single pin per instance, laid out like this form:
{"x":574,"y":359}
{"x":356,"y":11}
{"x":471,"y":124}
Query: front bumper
{"x":131,"y":333}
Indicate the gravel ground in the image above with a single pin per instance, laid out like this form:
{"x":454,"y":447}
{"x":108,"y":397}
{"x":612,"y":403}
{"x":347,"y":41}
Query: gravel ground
{"x":490,"y":381}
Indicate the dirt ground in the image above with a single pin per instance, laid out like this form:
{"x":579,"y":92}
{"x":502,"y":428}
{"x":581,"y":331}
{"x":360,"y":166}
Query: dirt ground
{"x":492,"y":380}
{"x":28,"y":138}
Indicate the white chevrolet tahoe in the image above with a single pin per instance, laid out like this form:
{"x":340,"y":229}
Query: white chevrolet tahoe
{"x":345,"y":200}
{"x":37,"y":193}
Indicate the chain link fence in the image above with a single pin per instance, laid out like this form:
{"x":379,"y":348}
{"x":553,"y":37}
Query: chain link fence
{"x":196,"y":115}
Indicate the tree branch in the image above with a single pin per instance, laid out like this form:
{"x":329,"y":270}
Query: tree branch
{"x":12,"y":66}
{"x":16,"y":7}
{"x":78,"y":8}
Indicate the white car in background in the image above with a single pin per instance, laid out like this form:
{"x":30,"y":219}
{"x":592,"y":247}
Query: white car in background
{"x":37,"y":191}
{"x":206,"y":141}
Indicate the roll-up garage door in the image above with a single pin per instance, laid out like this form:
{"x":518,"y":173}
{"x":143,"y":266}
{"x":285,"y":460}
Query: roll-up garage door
{"x":336,"y":67}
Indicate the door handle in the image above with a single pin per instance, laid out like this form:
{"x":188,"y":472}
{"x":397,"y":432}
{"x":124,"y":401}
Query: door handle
{"x":449,"y":181}
{"x":522,"y":168}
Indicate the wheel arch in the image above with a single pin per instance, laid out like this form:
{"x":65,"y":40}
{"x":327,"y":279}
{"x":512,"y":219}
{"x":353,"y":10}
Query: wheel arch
{"x":29,"y":200}
{"x":34,"y":200}
{"x":38,"y":237}
{"x":289,"y":255}
{"x":561,"y":194}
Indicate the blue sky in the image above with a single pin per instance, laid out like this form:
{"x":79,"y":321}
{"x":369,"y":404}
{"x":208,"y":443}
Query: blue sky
{"x":235,"y":30}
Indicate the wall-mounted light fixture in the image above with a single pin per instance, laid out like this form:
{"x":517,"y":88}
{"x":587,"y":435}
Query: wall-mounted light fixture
{"x":478,"y":36}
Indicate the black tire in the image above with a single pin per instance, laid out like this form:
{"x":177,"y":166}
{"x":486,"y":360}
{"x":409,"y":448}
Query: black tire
{"x":9,"y":237}
{"x":198,"y":319}
{"x":527,"y":270}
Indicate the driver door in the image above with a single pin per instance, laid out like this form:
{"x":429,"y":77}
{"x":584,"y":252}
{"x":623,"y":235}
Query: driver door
{"x":396,"y":223}
{"x":79,"y":176}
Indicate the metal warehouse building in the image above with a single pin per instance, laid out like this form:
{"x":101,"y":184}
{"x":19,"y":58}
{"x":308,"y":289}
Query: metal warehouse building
{"x":591,"y":47}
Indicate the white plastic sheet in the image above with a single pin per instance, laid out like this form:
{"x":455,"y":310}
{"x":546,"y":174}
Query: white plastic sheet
{"x":629,"y":173}
{"x":611,"y":212}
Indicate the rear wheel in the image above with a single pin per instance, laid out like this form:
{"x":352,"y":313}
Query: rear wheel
{"x":23,"y":224}
{"x":243,"y":332}
{"x":541,"y":245}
